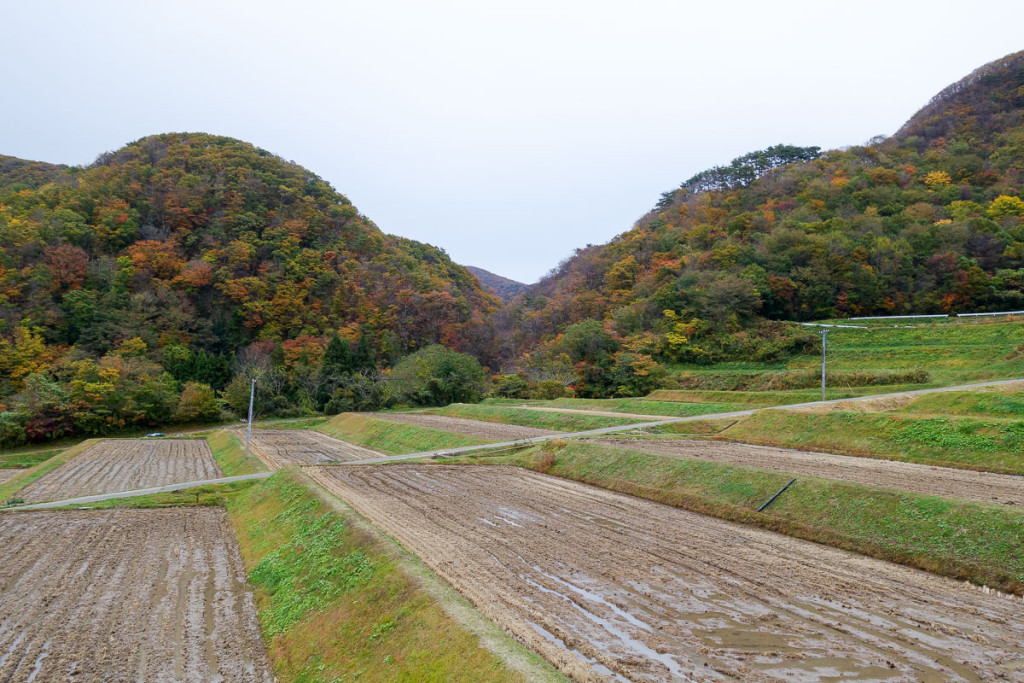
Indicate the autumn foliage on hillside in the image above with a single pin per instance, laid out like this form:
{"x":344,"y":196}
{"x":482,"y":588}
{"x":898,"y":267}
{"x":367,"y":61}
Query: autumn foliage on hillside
{"x":928,"y":221}
{"x":190,"y":243}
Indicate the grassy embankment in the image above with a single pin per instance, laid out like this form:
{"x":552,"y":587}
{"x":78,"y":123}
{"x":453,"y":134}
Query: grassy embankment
{"x":334,"y":602}
{"x":963,"y":442}
{"x":229,"y":452}
{"x":392,"y":438}
{"x":963,"y":540}
{"x":28,"y":458}
{"x":523,"y":417}
{"x":637,"y":406}
{"x":950,"y":351}
{"x":30,"y":475}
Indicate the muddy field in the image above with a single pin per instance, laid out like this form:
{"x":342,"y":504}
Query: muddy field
{"x":610,"y":587}
{"x":934,"y":481}
{"x":125,"y":465}
{"x":279,"y":448}
{"x":6,"y":474}
{"x":125,"y":595}
{"x":484,"y":430}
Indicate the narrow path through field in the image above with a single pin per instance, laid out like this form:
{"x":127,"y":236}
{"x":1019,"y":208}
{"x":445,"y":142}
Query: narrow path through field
{"x":611,"y":587}
{"x":671,"y":420}
{"x":946,"y":482}
{"x":85,"y":500}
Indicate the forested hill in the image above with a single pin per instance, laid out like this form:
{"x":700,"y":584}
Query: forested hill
{"x":927,"y":221}
{"x":211,"y":242}
{"x":197,"y":249}
{"x":502,"y":287}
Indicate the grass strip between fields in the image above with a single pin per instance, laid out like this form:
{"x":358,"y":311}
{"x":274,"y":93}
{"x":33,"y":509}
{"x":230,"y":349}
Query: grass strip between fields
{"x":962,"y":442}
{"x":197,"y":496}
{"x":393,"y":438}
{"x":960,"y":539}
{"x":26,"y":459}
{"x":229,"y":452}
{"x":524,"y":417}
{"x":638,"y":406}
{"x":8,"y":489}
{"x":333,"y":603}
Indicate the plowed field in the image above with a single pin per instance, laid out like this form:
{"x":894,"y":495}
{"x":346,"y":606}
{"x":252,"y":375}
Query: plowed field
{"x":124,"y":465}
{"x":8,"y":474}
{"x":125,"y":595}
{"x":279,"y":448}
{"x":610,"y":587}
{"x":459,"y":425}
{"x":946,"y":482}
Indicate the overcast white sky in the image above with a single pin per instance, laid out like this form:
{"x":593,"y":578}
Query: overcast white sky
{"x":509,"y":133}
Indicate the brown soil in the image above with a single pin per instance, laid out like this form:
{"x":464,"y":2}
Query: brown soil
{"x":603,"y":413}
{"x":126,"y":595}
{"x":610,"y":587}
{"x":279,"y":448}
{"x":459,"y":425}
{"x":124,"y":465}
{"x":7,"y":474}
{"x":946,"y":482}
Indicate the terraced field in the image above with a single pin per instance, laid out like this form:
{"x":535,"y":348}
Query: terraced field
{"x":124,"y":465}
{"x":484,"y":430}
{"x":985,"y":487}
{"x":611,"y":587}
{"x":279,"y":448}
{"x":126,"y":595}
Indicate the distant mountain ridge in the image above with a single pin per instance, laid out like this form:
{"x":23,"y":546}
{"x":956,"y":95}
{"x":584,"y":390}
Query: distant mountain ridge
{"x":930,"y":220}
{"x":502,"y":287}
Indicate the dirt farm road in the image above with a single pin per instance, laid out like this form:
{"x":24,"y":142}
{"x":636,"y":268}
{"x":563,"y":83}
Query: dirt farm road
{"x":610,"y":587}
{"x":85,"y":500}
{"x":672,"y":420}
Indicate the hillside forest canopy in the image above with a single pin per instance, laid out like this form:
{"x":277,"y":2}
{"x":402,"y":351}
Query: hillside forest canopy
{"x":153,"y":285}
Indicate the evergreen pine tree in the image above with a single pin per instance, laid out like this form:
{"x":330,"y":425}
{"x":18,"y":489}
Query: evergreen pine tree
{"x":338,"y":356}
{"x":365,"y":357}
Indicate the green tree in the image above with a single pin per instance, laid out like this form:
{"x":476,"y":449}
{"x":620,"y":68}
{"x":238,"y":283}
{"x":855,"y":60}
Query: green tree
{"x":436,"y":375}
{"x":338,"y":355}
{"x":197,"y":403}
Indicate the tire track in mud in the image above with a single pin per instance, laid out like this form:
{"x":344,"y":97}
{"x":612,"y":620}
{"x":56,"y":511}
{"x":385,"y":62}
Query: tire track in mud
{"x":946,"y":482}
{"x":147,"y":595}
{"x":125,"y":465}
{"x":610,"y":587}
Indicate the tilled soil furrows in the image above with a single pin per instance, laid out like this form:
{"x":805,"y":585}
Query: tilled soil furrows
{"x":6,"y":474}
{"x":610,"y":587}
{"x":946,"y":482}
{"x":484,"y":430}
{"x":125,"y":465}
{"x":279,"y":448}
{"x":126,"y":595}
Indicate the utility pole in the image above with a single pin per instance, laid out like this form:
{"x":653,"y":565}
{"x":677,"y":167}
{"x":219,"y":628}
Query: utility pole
{"x":252,"y":395}
{"x":824,"y":333}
